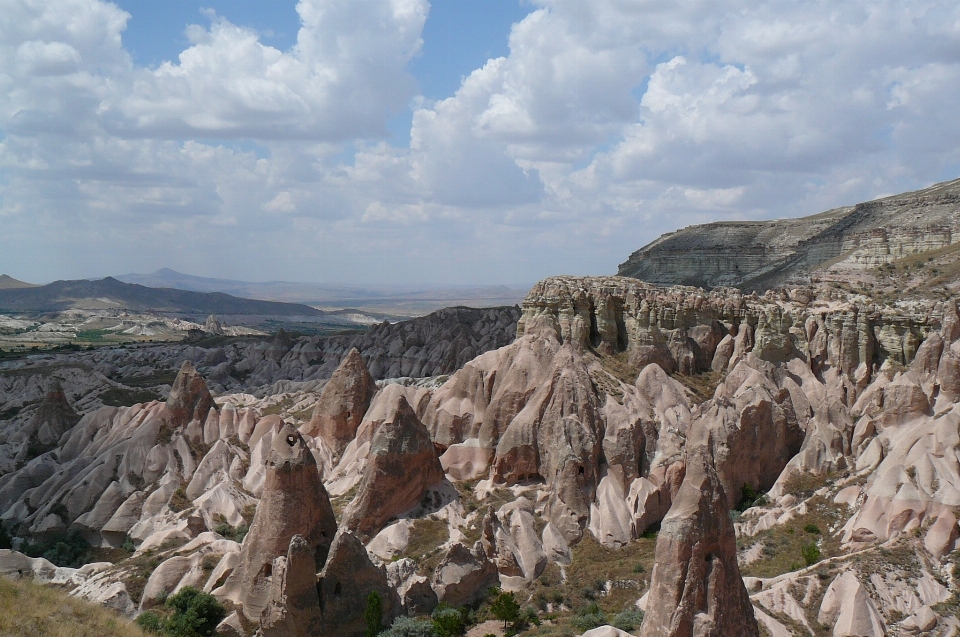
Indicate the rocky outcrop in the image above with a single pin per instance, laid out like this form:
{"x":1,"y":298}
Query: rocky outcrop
{"x":464,"y":575}
{"x":344,"y":585}
{"x":294,"y":604}
{"x":848,"y":608}
{"x":695,"y":586}
{"x":682,"y":329}
{"x":189,"y":399}
{"x":55,"y":416}
{"x":343,"y":403}
{"x":294,"y":502}
{"x":759,"y":254}
{"x":401,"y":466}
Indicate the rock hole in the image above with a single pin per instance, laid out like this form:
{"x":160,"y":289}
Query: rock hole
{"x":337,"y":590}
{"x":348,"y":415}
{"x":267,"y":569}
{"x":291,"y":440}
{"x":580,"y":471}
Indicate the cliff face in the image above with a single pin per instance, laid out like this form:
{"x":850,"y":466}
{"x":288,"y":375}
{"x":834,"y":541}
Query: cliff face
{"x":759,"y":255}
{"x":684,"y":329}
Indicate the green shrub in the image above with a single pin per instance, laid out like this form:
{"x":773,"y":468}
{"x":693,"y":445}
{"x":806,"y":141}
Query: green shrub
{"x":589,"y":617}
{"x":6,"y":542}
{"x":410,"y":627}
{"x":811,"y":554}
{"x":150,"y":622}
{"x":812,"y":528}
{"x":750,"y":497}
{"x":373,"y":615}
{"x":448,"y":621}
{"x":628,"y":620}
{"x":70,"y":550}
{"x":195,"y":614}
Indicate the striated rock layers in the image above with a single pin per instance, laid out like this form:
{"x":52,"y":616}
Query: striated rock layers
{"x":294,"y":502}
{"x":344,"y":401}
{"x":695,"y":586}
{"x":401,"y":466}
{"x":757,"y":255}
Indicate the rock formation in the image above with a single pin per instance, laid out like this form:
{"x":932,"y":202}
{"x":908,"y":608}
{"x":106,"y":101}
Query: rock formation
{"x":54,"y":417}
{"x":294,"y":603}
{"x":402,"y":465}
{"x":189,"y":399}
{"x":343,"y":403}
{"x":695,"y":587}
{"x":294,"y":502}
{"x":346,"y":581}
{"x":756,"y":255}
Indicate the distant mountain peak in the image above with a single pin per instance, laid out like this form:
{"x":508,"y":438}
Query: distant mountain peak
{"x":9,"y":283}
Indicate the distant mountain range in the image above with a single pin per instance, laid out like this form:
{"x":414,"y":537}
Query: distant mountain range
{"x":402,"y":299}
{"x":109,"y":293}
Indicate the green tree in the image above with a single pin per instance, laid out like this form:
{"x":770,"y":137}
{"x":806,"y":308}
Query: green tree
{"x":374,"y":614}
{"x":195,"y":614}
{"x":5,"y":541}
{"x":410,"y":627}
{"x":505,"y":608}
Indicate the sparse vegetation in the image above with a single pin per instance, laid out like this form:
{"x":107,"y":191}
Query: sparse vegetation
{"x":32,"y":609}
{"x":426,"y":537}
{"x":188,"y":613}
{"x":70,"y":550}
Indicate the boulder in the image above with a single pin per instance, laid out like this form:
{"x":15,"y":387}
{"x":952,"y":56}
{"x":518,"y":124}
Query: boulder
{"x":343,"y":402}
{"x":402,"y":465}
{"x":464,"y":576}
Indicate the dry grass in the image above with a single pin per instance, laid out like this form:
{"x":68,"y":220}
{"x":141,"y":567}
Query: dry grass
{"x":31,"y":609}
{"x":625,"y":570}
{"x":426,"y":537}
{"x":702,"y":386}
{"x":783,"y":544}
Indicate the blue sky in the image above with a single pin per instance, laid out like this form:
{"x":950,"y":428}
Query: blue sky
{"x":473,"y":142}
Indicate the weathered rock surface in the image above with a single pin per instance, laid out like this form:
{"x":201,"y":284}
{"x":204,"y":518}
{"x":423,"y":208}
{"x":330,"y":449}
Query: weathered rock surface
{"x":343,"y":403}
{"x":346,"y":581}
{"x":402,"y":465}
{"x":294,"y":502}
{"x":756,"y":255}
{"x":695,"y":587}
{"x":464,"y":575}
{"x":189,"y":398}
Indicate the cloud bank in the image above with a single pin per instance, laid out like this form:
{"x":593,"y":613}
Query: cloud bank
{"x":607,"y":124}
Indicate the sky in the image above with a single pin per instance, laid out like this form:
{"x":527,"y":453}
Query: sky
{"x":452,"y":142}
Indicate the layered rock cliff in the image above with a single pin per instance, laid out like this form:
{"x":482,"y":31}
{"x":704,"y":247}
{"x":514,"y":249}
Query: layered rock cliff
{"x":761,"y":254}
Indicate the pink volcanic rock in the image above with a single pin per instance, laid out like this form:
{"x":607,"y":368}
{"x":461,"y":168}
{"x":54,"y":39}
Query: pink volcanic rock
{"x":294,"y":502}
{"x":695,"y":586}
{"x":343,"y":402}
{"x":189,"y":397}
{"x":403,"y":464}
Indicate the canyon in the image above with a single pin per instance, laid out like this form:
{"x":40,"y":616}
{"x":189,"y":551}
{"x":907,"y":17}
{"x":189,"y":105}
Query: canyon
{"x":623,"y":456}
